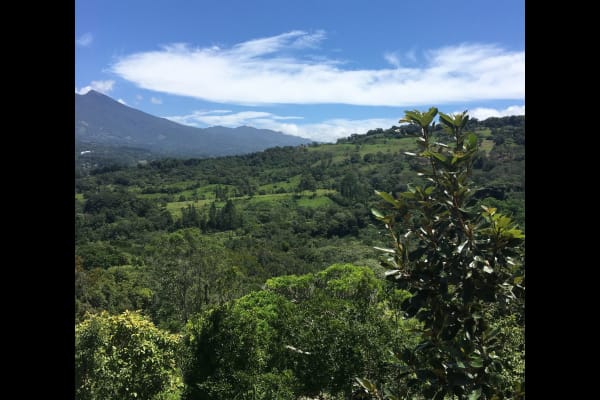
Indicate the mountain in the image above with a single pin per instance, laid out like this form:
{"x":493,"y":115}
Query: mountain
{"x":102,"y":121}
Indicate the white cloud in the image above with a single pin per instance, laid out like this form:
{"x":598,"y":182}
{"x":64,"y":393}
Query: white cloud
{"x":272,"y":70}
{"x":484,"y":113}
{"x":122,"y":101}
{"x":333,"y":129}
{"x":85,"y":40}
{"x":155,"y":100}
{"x":99,"y":86}
{"x":326,"y":131}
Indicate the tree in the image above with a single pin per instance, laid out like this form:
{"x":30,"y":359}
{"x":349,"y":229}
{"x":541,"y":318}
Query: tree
{"x":190,"y":217}
{"x":184,"y":267}
{"x":459,"y":263}
{"x":221,"y":193}
{"x":115,"y":289}
{"x":237,"y":350}
{"x":230,"y":217}
{"x":307,"y":182}
{"x":190,"y":272}
{"x":100,"y":254}
{"x":213,"y":216}
{"x":123,"y":357}
{"x":338,"y":328}
{"x":301,"y":336}
{"x":351,"y":188}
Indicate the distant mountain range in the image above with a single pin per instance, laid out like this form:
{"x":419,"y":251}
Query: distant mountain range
{"x":101,"y":122}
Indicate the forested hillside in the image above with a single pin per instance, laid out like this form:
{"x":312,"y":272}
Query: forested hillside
{"x":265,"y":266}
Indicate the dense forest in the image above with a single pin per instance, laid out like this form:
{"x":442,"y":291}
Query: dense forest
{"x":267,"y":275}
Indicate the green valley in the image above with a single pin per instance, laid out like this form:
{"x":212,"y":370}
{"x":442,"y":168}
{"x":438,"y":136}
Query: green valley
{"x":266,"y":268}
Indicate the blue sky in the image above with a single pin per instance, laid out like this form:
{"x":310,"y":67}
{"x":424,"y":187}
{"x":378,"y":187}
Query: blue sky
{"x":321,"y":69}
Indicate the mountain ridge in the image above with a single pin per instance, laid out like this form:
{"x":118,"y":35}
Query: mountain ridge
{"x":101,"y":120}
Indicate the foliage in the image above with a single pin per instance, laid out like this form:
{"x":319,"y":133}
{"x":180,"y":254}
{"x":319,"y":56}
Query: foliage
{"x":119,"y":212}
{"x":338,"y":327}
{"x":303,"y":335}
{"x":457,"y":262}
{"x":115,"y":289}
{"x":178,"y":238}
{"x":124,"y":357}
{"x":100,"y":254}
{"x":226,"y":218}
{"x":237,"y":350}
{"x":188,"y":273}
{"x":511,"y":345}
{"x":175,"y":238}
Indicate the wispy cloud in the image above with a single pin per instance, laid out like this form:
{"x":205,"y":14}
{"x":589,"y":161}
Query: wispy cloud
{"x":393,"y":59}
{"x":155,"y":100}
{"x":275,"y":70}
{"x":397,"y":60}
{"x":85,"y":40}
{"x":326,"y":131}
{"x":99,"y":86}
{"x":273,"y":44}
{"x":122,"y":102}
{"x":229,"y":119}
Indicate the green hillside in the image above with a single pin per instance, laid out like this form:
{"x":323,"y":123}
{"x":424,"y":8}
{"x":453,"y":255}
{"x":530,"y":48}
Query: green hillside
{"x":177,"y":238}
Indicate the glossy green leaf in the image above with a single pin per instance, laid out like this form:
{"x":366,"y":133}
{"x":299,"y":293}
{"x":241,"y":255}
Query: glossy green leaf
{"x":411,"y":117}
{"x":367,"y":385}
{"x":447,"y":120}
{"x":377,"y":213}
{"x":471,"y":141}
{"x":489,"y":210}
{"x":429,"y":116}
{"x":475,"y":394}
{"x":476,"y":362}
{"x":515,"y":233}
{"x":439,"y":156}
{"x":461,"y":246}
{"x":387,"y":197}
{"x":384,"y":249}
